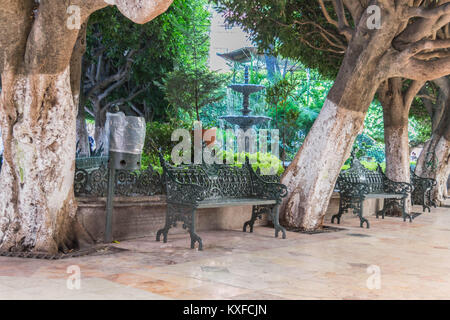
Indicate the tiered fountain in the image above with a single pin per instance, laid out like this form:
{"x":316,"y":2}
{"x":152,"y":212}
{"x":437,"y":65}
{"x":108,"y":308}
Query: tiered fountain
{"x":246,"y":121}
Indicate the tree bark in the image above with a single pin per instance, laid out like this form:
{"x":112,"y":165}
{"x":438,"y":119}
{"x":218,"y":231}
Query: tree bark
{"x":76,"y":83}
{"x":434,"y":161}
{"x":396,"y":104}
{"x":38,"y":119}
{"x":37,"y":202}
{"x":83,"y":146}
{"x":312,"y":175}
{"x":101,"y":140}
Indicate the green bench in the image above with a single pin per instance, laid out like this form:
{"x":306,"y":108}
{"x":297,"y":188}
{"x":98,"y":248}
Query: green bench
{"x":357,"y":184}
{"x":193,"y":187}
{"x":423,"y":189}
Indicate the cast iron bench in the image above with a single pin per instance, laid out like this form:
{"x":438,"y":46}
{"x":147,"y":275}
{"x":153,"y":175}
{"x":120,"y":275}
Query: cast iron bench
{"x":358,"y":184}
{"x":422,"y":194}
{"x":192,"y":187}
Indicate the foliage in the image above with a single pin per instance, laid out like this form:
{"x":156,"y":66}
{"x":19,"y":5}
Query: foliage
{"x":191,"y":90}
{"x":368,"y":147}
{"x":192,"y":86}
{"x":419,"y":129}
{"x":373,"y":166}
{"x":159,"y":46}
{"x":374,"y":123}
{"x":159,"y":135}
{"x":267,"y":163}
{"x":294,"y":102}
{"x":283,"y":109}
{"x":419,"y":124}
{"x":283,"y":27}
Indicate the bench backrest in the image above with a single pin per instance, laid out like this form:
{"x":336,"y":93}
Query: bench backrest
{"x":219,"y":181}
{"x":357,"y":173}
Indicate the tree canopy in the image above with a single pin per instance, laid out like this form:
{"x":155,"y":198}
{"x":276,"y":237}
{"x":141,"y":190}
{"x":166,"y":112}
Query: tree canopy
{"x":292,"y":29}
{"x":124,"y":59}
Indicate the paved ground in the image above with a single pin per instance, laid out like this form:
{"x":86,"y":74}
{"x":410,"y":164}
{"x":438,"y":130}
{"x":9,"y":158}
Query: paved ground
{"x":405,"y":261}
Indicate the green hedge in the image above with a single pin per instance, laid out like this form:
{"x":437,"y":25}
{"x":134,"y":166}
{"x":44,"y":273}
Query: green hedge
{"x":372,"y":166}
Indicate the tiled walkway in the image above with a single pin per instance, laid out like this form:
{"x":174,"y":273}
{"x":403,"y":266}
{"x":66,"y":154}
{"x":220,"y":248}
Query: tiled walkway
{"x":407,"y":261}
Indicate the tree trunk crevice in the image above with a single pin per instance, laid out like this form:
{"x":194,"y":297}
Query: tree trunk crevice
{"x":37,"y":203}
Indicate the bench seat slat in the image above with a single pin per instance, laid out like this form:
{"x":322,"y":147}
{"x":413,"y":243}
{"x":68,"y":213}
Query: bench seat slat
{"x":384,"y":196}
{"x":218,"y":203}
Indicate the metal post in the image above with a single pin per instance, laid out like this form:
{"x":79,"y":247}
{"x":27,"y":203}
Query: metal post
{"x":110,"y":202}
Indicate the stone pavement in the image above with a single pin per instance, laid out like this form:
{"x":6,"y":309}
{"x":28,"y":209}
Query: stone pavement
{"x":406,"y":261}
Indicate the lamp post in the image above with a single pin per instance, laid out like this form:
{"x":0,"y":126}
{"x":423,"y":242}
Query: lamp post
{"x":126,"y":142}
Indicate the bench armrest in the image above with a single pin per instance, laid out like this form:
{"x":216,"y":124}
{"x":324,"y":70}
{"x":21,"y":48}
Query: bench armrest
{"x":269,"y":190}
{"x":265,"y":189}
{"x":397,"y":187}
{"x":424,"y":184}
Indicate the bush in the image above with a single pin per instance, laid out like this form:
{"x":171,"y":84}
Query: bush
{"x":266,"y":162}
{"x":158,"y":135}
{"x":372,"y":166}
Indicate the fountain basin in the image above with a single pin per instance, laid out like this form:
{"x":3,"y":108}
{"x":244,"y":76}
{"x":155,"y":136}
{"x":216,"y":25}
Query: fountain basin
{"x":245,"y":122}
{"x":246,"y":89}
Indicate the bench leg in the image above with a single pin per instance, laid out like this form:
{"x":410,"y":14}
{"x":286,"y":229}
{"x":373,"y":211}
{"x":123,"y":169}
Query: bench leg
{"x":170,"y":220}
{"x":341,"y":211}
{"x":360,"y":214}
{"x":425,"y":204}
{"x":184,"y":214}
{"x":276,"y":222}
{"x":381,"y":212}
{"x":405,"y":215}
{"x":255,"y":214}
{"x":194,"y":237}
{"x":430,"y":201}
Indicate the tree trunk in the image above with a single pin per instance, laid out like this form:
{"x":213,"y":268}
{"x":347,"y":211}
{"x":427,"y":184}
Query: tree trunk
{"x":101,"y":140}
{"x":396,"y":105}
{"x":83,"y":146}
{"x":38,"y":123}
{"x":312,"y":175}
{"x":434,"y":161}
{"x":76,"y":70}
{"x":38,"y":118}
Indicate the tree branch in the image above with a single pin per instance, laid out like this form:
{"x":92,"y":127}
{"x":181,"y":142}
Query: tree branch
{"x":425,"y":70}
{"x":412,"y":91}
{"x":341,"y":24}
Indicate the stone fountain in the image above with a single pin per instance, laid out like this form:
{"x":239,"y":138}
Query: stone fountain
{"x":246,"y":121}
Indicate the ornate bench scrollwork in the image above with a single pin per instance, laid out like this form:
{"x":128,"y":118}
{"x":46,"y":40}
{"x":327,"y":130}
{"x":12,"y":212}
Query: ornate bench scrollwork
{"x":423,"y":191}
{"x":193,"y":187}
{"x":358,"y":184}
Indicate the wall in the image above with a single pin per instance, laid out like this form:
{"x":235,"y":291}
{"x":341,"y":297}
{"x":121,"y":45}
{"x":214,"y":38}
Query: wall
{"x":144,"y":216}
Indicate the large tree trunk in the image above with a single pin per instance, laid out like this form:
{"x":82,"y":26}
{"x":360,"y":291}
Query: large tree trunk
{"x":37,"y":202}
{"x":396,"y":115}
{"x":312,"y":175}
{"x":38,"y":118}
{"x":396,"y":105}
{"x":434,"y":161}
